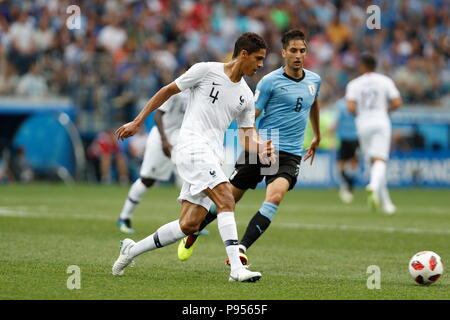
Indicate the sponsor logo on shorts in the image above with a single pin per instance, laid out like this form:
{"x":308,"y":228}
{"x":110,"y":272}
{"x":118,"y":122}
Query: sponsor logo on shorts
{"x":233,"y":174}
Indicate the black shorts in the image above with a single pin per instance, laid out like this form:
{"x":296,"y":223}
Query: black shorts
{"x":347,"y":149}
{"x":247,"y":176}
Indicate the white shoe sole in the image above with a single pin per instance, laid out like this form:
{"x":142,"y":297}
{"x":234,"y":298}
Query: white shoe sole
{"x":252,"y":277}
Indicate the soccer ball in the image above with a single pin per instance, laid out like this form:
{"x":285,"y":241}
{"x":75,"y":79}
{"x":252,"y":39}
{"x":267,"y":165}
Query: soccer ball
{"x":426,"y":267}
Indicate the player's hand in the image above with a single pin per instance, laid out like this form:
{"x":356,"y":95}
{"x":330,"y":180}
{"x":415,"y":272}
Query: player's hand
{"x":167,"y":148}
{"x":267,"y":155}
{"x":127,"y":130}
{"x":312,"y":150}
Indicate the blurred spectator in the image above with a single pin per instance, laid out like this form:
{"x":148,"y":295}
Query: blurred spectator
{"x":280,"y":16}
{"x":32,"y":84}
{"x":125,"y":50}
{"x":23,"y":44}
{"x":338,"y":33}
{"x":44,"y":36}
{"x":105,"y":151}
{"x":8,"y":79}
{"x":113,"y":36}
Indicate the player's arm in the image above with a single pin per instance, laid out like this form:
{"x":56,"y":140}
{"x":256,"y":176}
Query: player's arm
{"x":350,"y":97}
{"x":261,"y":97}
{"x":351,"y":106}
{"x":395,"y":104}
{"x":267,"y":156}
{"x":314,"y":118}
{"x":252,"y":142}
{"x":130,"y":128}
{"x":166,"y":146}
{"x":394,"y":96}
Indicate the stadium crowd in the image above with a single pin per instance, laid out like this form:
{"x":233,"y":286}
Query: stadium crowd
{"x":126,"y":50}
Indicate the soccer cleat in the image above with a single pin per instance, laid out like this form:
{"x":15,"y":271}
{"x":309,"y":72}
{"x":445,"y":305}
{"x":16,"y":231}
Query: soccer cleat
{"x":242,"y":256}
{"x":372,"y":199}
{"x":389,"y":209}
{"x":244,"y":275}
{"x":183,"y":252}
{"x":123,"y":260}
{"x":345,"y":195}
{"x":125,"y":226}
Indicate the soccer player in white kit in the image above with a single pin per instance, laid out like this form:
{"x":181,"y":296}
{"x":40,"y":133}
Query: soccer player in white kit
{"x":218,"y":95}
{"x":372,"y":96}
{"x":157,"y":164}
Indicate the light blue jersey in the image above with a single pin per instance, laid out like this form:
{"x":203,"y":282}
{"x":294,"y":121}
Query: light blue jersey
{"x":345,"y":122}
{"x":285,"y":103}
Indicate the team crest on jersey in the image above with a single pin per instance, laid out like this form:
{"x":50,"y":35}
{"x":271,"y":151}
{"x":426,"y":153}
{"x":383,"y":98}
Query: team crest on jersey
{"x":312,"y":89}
{"x":242,"y":100}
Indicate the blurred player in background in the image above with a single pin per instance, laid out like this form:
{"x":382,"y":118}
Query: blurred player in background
{"x":157,"y":164}
{"x":218,"y":95}
{"x":372,"y":96}
{"x":106,"y":151}
{"x":347,"y":158}
{"x":286,"y":97}
{"x":135,"y":148}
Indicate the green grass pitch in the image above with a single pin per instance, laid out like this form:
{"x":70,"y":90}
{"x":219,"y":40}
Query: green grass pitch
{"x":316,"y":247}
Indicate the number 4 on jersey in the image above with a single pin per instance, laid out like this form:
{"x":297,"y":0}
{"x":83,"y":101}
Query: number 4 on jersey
{"x":211,"y":94}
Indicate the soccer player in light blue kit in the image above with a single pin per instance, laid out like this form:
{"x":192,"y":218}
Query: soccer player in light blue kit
{"x":347,"y":158}
{"x":286,"y":98}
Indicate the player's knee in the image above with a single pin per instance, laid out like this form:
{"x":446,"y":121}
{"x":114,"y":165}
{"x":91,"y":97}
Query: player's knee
{"x":275,"y":198}
{"x":189,"y":226}
{"x":226,"y":204}
{"x":148,"y":182}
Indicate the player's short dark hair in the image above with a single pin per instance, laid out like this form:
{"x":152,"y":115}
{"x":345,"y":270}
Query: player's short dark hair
{"x":249,"y":41}
{"x":368,"y":61}
{"x":293,"y":34}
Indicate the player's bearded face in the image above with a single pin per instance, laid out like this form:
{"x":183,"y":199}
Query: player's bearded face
{"x":254,"y":62}
{"x":294,"y":54}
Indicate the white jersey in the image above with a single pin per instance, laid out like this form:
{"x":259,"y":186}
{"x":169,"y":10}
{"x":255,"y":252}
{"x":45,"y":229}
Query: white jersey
{"x":372,"y":93}
{"x":214,"y":102}
{"x":174,"y":109}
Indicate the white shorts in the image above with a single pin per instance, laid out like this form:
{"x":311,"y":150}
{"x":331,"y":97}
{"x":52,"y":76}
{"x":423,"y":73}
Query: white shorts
{"x":200,"y":169}
{"x":375,"y":140}
{"x":156,"y":165}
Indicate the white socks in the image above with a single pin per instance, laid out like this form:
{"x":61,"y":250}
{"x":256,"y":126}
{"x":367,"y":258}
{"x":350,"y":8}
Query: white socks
{"x":228,"y":232}
{"x":377,"y":175}
{"x":378,"y":182}
{"x":135,"y":194}
{"x":167,"y":234}
{"x":384,"y":195}
{"x":171,"y":232}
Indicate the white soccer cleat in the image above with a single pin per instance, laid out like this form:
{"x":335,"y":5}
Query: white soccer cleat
{"x":124,"y":260}
{"x":244,"y":275}
{"x":389,"y":209}
{"x":345,"y":195}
